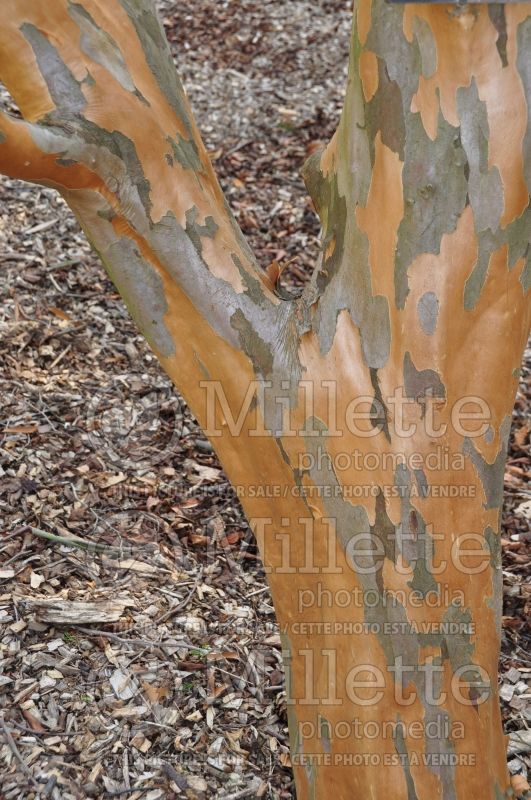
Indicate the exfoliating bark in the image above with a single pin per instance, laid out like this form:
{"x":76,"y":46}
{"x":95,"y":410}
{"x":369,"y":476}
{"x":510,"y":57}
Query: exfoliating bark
{"x":365,"y":424}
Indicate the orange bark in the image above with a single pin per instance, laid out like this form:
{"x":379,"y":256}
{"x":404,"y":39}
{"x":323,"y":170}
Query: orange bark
{"x":382,"y":545}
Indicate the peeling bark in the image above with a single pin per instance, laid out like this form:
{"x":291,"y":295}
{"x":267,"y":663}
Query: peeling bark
{"x":416,"y":315}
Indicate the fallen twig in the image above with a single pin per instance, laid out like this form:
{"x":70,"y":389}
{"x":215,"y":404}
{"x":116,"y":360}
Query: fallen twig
{"x":237,"y":795}
{"x":16,"y":752}
{"x":115,"y":638}
{"x":73,"y":541}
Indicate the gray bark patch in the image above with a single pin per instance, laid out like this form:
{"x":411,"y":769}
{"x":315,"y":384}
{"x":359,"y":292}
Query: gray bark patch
{"x":493,"y":542}
{"x":142,"y":289}
{"x":516,"y":235}
{"x":325,"y":734}
{"x":488,"y":243}
{"x":497,"y":17}
{"x":385,"y":113}
{"x":344,"y":281}
{"x":414,"y":542}
{"x":402,"y":59}
{"x":100,"y":46}
{"x":422,"y":482}
{"x":196,"y":231}
{"x":428,"y":312}
{"x":485,"y":188}
{"x":491,"y":475}
{"x":523,"y":63}
{"x":255,"y":347}
{"x":401,"y":749}
{"x":379,"y":411}
{"x":185,"y":152}
{"x":427,"y":46}
{"x":119,"y":145}
{"x":435,"y":194}
{"x":525,"y":277}
{"x":64,"y":89}
{"x":420,"y":383}
{"x":158,"y":56}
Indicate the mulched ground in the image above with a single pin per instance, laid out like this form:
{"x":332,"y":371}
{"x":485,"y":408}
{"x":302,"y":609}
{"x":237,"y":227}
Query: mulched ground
{"x":149,"y":665}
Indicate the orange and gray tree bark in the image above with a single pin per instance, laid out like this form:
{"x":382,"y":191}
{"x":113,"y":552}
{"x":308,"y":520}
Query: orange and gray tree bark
{"x":365,"y":424}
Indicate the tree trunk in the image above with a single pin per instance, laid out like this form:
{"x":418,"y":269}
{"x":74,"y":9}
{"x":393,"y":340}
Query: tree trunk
{"x":365,"y":424}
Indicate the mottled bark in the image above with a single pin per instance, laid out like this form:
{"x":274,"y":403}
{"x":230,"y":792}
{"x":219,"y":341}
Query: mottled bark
{"x":420,"y":300}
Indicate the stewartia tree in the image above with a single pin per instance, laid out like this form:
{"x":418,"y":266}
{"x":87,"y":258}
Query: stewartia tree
{"x":365,"y":423}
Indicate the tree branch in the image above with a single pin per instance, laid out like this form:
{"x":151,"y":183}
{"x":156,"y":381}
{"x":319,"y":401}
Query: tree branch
{"x":23,"y":159}
{"x":113,"y":132}
{"x":420,"y":144}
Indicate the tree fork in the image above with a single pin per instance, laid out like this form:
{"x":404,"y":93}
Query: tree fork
{"x":375,"y":409}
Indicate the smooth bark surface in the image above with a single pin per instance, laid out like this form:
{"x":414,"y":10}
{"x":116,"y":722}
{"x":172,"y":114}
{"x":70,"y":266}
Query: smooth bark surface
{"x":341,"y":416}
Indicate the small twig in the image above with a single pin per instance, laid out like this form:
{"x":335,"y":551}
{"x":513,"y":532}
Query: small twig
{"x":75,"y":542}
{"x":63,"y":264}
{"x":16,"y":752}
{"x":236,"y":795}
{"x":16,"y":257}
{"x":231,"y":675}
{"x":239,"y":146}
{"x":148,"y":723}
{"x":60,"y":357}
{"x":31,"y":732}
{"x":122,"y":792}
{"x":41,"y":227}
{"x":258,"y":591}
{"x":115,"y":638}
{"x":56,"y":333}
{"x":179,"y":607}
